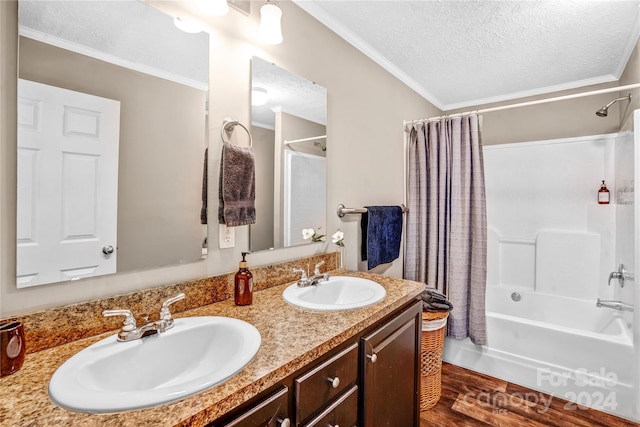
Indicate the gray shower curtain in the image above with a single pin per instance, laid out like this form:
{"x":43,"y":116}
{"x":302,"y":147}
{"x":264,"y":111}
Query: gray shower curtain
{"x":446,"y":243}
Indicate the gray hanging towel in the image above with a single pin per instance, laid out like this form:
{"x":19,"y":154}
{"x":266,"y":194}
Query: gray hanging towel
{"x":237,"y":186}
{"x":381,"y":234}
{"x":205,"y":187}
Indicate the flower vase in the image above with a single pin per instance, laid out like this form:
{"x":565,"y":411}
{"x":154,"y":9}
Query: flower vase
{"x":342,"y":257}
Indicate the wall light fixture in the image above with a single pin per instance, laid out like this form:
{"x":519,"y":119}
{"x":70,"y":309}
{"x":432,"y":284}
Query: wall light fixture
{"x":270,"y":31}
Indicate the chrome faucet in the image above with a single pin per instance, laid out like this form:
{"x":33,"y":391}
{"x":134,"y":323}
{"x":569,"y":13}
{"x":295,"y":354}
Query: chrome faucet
{"x":615,"y":305}
{"x":313,"y":280}
{"x":621,"y":275}
{"x":130,"y":330}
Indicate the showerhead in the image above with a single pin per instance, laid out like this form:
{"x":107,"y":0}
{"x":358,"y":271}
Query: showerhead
{"x":603,"y":112}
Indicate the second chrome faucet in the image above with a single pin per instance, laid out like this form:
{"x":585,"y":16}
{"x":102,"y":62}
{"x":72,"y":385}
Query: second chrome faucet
{"x":317,"y":277}
{"x":130,"y":331}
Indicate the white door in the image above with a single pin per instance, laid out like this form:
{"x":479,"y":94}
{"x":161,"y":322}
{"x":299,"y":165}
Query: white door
{"x":67,"y":184}
{"x":305,"y":195}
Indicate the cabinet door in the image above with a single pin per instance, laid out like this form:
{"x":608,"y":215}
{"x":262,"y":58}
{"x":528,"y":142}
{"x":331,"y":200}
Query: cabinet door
{"x":270,"y":412}
{"x":391,"y":371}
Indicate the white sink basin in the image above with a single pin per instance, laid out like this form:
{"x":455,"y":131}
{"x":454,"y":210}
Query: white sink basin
{"x":112,"y":376}
{"x":338,"y":293}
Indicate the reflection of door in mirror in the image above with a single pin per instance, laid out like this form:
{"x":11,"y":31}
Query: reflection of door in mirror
{"x":289,"y":130}
{"x":132,"y":53}
{"x":65,"y":226}
{"x":305,"y":194}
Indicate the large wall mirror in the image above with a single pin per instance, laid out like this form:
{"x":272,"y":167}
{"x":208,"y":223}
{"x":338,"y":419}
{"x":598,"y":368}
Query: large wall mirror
{"x":112,"y":102}
{"x":288,"y":123}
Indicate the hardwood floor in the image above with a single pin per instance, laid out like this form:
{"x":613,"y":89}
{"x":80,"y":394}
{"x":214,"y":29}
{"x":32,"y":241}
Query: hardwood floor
{"x":471,"y":399}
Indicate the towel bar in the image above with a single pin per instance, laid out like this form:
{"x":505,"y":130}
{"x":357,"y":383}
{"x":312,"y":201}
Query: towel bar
{"x":342,"y":211}
{"x":228,"y":125}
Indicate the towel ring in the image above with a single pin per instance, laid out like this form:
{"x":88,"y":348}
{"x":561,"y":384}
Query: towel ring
{"x":227,"y":127}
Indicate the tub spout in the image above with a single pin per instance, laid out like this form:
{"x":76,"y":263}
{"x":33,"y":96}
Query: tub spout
{"x":615,"y":305}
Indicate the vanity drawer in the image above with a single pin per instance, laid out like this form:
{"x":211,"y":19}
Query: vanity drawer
{"x":323,"y":383}
{"x":343,"y":412}
{"x":271,"y":411}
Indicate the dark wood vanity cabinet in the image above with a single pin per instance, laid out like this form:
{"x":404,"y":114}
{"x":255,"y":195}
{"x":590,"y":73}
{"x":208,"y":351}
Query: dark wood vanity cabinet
{"x":373,"y":380}
{"x":390,"y":371}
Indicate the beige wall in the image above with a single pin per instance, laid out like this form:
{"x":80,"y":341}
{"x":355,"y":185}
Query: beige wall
{"x":366,"y":107}
{"x":161,"y":139}
{"x":263,"y":146}
{"x":630,"y":75}
{"x":561,"y":119}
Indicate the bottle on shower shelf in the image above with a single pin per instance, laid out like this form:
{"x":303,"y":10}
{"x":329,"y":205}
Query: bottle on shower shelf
{"x":603,"y":194}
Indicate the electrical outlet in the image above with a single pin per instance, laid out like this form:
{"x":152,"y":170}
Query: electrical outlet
{"x":227,"y":237}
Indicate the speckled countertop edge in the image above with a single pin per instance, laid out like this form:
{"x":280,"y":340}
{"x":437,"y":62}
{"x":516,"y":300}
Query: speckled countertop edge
{"x":25,"y":400}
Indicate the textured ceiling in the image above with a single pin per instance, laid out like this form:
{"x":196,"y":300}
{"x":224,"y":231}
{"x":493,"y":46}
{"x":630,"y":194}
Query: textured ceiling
{"x":127,"y":30}
{"x":461,"y":53}
{"x":287,"y":92}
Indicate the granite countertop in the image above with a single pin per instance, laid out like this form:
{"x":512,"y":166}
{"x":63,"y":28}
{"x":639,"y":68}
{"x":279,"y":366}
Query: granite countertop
{"x":291,"y":338}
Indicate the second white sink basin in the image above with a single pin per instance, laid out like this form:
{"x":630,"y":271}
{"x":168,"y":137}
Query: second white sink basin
{"x":112,"y":376}
{"x":338,"y":293}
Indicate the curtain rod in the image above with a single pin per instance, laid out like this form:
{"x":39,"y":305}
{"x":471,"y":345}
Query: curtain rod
{"x":526,"y":104}
{"x":305,"y":139}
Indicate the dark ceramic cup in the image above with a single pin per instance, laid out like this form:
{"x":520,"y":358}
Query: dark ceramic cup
{"x":12,"y":347}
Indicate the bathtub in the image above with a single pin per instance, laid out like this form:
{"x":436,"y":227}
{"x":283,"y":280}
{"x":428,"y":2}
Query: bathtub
{"x":565,"y":347}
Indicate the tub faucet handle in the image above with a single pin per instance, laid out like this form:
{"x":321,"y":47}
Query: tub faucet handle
{"x":621,"y":275}
{"x":615,"y":275}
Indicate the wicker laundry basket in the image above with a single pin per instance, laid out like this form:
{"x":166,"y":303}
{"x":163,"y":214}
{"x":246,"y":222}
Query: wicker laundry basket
{"x":433,"y":332}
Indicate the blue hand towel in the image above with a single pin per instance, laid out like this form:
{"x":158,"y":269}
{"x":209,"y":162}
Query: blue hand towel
{"x":381,"y":234}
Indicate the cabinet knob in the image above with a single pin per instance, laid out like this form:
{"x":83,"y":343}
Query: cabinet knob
{"x":335,"y":382}
{"x":373,"y":357}
{"x":284,"y":423}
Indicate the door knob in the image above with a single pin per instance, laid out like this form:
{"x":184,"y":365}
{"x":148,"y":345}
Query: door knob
{"x":107,"y":250}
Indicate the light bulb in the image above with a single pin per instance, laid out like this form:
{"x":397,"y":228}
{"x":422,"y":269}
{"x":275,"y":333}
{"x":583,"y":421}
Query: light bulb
{"x":270,"y":31}
{"x":259,"y":96}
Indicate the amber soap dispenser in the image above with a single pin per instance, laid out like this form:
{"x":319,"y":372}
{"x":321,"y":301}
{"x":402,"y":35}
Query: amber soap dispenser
{"x":603,"y":194}
{"x":243,"y":293}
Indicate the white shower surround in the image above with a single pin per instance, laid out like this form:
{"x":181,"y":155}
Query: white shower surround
{"x":553,"y":244}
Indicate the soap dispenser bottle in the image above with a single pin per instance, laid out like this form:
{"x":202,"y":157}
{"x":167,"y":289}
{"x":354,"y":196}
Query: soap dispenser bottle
{"x":243,"y":292}
{"x":603,"y":194}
